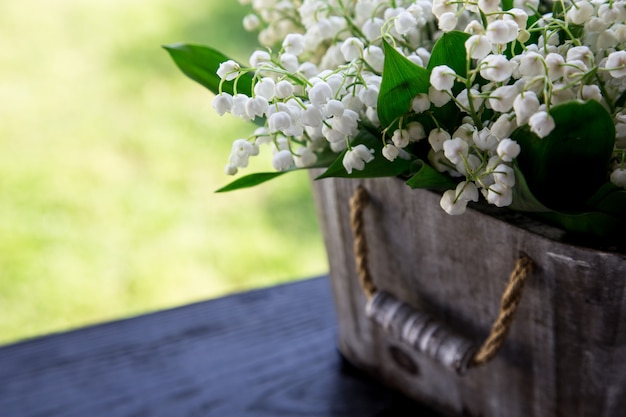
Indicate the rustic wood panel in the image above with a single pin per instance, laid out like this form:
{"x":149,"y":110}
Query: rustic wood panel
{"x":264,"y":353}
{"x":566,"y":353}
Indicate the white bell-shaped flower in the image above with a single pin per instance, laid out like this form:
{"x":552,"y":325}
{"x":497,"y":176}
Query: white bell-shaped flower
{"x":448,"y":21}
{"x":259,"y":58}
{"x":390,"y":152}
{"x":503,"y":126}
{"x":228,"y":70}
{"x":283,"y":89}
{"x":437,"y":97}
{"x":591,"y":92}
{"x":502,"y":31}
{"x":320,"y":93}
{"x":223,"y":103}
{"x":437,"y":137}
{"x":466,"y":190}
{"x":347,"y":124}
{"x":541,"y":123}
{"x":451,"y":204}
{"x":525,"y":105}
{"x":356,"y":158}
{"x":489,"y":6}
{"x":508,"y":150}
{"x":369,"y":95}
{"x":239,"y":106}
{"x":304,"y":157}
{"x":618,"y":177}
{"x":282,"y":160}
{"x":372,"y":28}
{"x":265,"y":88}
{"x":375,"y":57}
{"x":230,"y":169}
{"x":416,"y":131}
{"x":289,"y":62}
{"x":455,"y":149}
{"x":529,"y":6}
{"x":501,"y":99}
{"x":404,"y":22}
{"x":352,"y":48}
{"x":308,"y":69}
{"x":581,"y":12}
{"x":519,"y":15}
{"x":279,"y":122}
{"x":440,"y":7}
{"x":499,"y":195}
{"x":294,"y":44}
{"x":251,"y":22}
{"x":580,"y":53}
{"x":478,"y":46}
{"x":464,"y":97}
{"x":485,"y":140}
{"x":496,"y":67}
{"x":420,"y":103}
{"x":504,"y":174}
{"x":616,"y":64}
{"x":531,"y":64}
{"x":401,"y":138}
{"x":555,"y":63}
{"x":256,"y":107}
{"x":442,"y":77}
{"x":312,"y":116}
{"x":334,"y":108}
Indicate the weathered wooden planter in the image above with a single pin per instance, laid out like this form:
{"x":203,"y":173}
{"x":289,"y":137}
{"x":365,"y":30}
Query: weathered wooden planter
{"x":565,"y":354}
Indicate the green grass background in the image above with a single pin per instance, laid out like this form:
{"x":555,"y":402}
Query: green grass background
{"x":108,"y":161}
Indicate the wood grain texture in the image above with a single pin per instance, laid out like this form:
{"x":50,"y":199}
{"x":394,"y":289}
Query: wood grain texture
{"x":269,"y":352}
{"x":566,"y":352}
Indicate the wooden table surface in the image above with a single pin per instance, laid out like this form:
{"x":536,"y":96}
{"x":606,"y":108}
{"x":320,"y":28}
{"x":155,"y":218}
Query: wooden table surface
{"x":268,"y":352}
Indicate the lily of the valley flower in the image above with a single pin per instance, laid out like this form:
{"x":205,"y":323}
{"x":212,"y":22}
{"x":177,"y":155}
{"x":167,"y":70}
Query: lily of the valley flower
{"x":356,"y":157}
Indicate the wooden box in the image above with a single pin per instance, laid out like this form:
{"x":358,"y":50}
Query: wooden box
{"x":565,"y":354}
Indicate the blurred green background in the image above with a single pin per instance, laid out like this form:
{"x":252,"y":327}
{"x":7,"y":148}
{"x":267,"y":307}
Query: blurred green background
{"x":108,"y":161}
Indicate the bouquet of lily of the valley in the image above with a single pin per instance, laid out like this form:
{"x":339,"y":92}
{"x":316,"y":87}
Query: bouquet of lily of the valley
{"x":519,"y":101}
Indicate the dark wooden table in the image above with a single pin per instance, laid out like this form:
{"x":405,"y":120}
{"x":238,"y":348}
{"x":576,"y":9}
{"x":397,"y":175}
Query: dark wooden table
{"x":268,"y":352}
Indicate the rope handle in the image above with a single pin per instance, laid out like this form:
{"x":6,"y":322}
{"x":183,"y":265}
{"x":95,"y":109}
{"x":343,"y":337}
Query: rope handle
{"x":420,"y":330}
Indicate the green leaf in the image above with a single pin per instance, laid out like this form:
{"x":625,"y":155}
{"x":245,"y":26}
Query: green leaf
{"x":250,"y":180}
{"x":558,"y":10}
{"x":507,"y":4}
{"x":379,"y":167}
{"x":610,"y":199}
{"x":200,"y":63}
{"x":564,"y":169}
{"x":600,"y":225}
{"x":402,"y":81}
{"x":428,"y":177}
{"x":523,"y":198}
{"x":450,"y":50}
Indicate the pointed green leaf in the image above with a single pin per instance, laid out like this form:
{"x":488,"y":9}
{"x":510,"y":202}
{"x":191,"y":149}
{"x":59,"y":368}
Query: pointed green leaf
{"x":450,"y":50}
{"x":250,"y":180}
{"x":200,"y":63}
{"x":402,"y":81}
{"x":564,"y":169}
{"x":428,"y":177}
{"x":379,"y":167}
{"x":523,"y":198}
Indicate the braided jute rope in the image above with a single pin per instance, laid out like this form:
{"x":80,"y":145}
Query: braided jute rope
{"x":510,"y":298}
{"x":358,"y":202}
